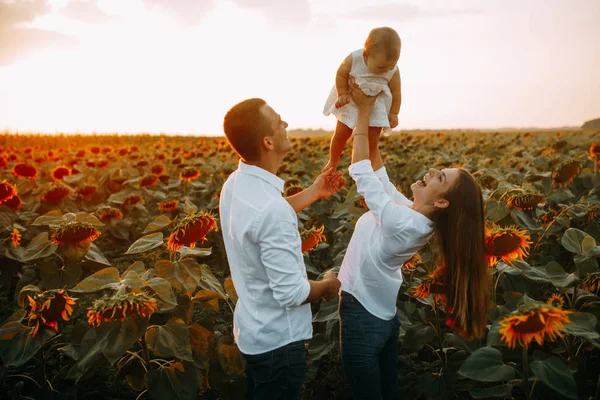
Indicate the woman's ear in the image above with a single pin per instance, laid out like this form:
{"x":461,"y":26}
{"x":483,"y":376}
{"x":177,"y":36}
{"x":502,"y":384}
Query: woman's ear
{"x":441,"y":203}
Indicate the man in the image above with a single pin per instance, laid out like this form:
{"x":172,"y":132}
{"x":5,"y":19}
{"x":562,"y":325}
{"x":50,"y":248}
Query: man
{"x":272,"y":317}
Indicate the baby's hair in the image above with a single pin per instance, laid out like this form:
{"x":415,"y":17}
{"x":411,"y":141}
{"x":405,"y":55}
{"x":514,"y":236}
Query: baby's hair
{"x":384,"y":40}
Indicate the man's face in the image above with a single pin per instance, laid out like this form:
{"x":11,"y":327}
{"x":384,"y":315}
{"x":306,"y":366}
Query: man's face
{"x":281,"y":142}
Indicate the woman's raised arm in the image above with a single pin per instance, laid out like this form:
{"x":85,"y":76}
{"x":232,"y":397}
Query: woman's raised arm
{"x":364,"y":103}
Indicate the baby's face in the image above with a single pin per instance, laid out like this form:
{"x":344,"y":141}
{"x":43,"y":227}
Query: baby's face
{"x":378,"y":63}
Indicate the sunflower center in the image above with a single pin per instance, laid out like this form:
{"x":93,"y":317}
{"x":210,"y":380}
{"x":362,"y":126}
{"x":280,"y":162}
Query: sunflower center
{"x":503,"y":244}
{"x":56,"y":307}
{"x":532,"y":324}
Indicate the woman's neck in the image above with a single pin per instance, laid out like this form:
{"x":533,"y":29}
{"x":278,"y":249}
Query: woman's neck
{"x":427,"y":211}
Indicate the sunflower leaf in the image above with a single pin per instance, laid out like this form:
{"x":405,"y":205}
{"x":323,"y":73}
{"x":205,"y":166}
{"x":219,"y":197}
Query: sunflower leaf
{"x":160,"y":222}
{"x":488,"y":392}
{"x":485,"y":365}
{"x":189,"y":208}
{"x":496,"y":210}
{"x":524,"y":220}
{"x":39,"y":247}
{"x":576,"y":241}
{"x":536,"y":274}
{"x":558,"y":276}
{"x":209,"y":282}
{"x":146,"y":243}
{"x":583,"y":325}
{"x":554,"y":373}
{"x":418,"y":336}
{"x":51,"y":218}
{"x":100,"y":280}
{"x":170,"y":340}
{"x":88,"y":218}
{"x":196,"y":251}
{"x":231,"y":359}
{"x":178,"y":381}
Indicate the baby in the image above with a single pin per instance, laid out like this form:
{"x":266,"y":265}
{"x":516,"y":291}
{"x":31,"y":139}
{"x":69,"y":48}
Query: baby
{"x":376,"y":73}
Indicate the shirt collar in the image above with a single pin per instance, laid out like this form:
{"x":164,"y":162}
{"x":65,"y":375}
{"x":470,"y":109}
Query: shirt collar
{"x":263,"y":174}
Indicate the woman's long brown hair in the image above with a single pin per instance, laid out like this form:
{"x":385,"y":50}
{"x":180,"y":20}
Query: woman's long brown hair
{"x":460,"y":234}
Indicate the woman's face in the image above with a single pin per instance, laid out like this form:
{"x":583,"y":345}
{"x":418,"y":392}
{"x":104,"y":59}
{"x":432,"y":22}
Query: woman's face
{"x":435,"y":184}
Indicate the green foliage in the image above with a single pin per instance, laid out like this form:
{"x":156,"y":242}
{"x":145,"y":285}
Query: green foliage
{"x":184,"y":349}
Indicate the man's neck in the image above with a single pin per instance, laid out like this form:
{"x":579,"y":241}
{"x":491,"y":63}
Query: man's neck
{"x":269,"y":164}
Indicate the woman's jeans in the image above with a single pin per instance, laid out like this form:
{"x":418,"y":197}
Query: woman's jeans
{"x":277,"y":374}
{"x":369,"y":347}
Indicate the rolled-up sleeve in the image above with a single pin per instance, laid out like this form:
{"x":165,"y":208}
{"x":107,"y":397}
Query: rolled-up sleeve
{"x":280,"y":253}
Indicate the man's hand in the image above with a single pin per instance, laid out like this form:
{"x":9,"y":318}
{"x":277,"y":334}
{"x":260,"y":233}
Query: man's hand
{"x":327,"y":183}
{"x":393,"y":120}
{"x":334,"y":285}
{"x":342,"y":100}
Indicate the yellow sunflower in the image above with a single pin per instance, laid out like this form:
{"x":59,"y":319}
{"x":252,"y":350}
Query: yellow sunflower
{"x":506,"y":244}
{"x":591,"y":284}
{"x":15,"y":237}
{"x":525,"y":200}
{"x":121,"y":306}
{"x":432,"y":284}
{"x":566,"y":172}
{"x":311,"y":238}
{"x":412,"y":262}
{"x":556,"y":300}
{"x":48,"y":307}
{"x":75,"y":233}
{"x":190,"y":230}
{"x":533,"y":322}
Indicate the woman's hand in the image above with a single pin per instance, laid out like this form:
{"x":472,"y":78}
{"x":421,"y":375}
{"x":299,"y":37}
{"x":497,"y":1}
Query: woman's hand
{"x":363,"y":102}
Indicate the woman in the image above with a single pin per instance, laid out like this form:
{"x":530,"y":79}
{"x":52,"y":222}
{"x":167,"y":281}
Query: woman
{"x":447,"y":203}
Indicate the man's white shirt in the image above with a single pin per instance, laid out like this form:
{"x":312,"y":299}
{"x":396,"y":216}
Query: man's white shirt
{"x":263,"y":246}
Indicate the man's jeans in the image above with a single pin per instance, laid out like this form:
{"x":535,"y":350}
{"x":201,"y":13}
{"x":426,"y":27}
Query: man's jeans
{"x":277,"y":374}
{"x":369,"y":347}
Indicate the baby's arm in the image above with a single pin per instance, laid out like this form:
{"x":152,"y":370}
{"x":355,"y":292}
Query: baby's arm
{"x":396,"y":99}
{"x":341,"y":82}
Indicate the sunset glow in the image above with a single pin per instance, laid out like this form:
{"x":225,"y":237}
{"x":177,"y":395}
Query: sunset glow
{"x":150,"y":66}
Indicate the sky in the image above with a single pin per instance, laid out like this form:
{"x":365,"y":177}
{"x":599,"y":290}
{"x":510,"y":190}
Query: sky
{"x":165,"y":66}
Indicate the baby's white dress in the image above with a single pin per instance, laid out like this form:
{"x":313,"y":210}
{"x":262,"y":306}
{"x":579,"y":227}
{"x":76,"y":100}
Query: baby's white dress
{"x":371,"y":84}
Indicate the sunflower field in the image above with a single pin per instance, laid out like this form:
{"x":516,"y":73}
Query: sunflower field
{"x":115,"y":283}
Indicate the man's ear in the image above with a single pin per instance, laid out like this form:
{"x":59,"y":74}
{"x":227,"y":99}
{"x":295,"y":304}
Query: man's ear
{"x":267,"y":142}
{"x":441,"y":203}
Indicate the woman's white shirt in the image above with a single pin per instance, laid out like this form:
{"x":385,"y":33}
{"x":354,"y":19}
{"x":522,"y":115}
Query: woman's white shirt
{"x":384,"y":238}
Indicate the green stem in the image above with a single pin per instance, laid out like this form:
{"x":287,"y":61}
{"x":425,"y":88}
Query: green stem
{"x":597,"y":395}
{"x":525,"y":370}
{"x":579,"y":348}
{"x":139,"y":358}
{"x":145,"y":350}
{"x":532,"y":387}
{"x":26,"y":377}
{"x":550,"y":225}
{"x":439,"y":334}
{"x":141,"y":394}
{"x":496,"y":286}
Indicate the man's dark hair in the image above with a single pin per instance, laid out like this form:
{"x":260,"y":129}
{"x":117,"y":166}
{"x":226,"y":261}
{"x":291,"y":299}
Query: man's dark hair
{"x":245,"y":126}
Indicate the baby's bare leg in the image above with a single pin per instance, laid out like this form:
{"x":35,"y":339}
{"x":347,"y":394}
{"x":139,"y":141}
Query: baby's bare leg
{"x":338,"y":142}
